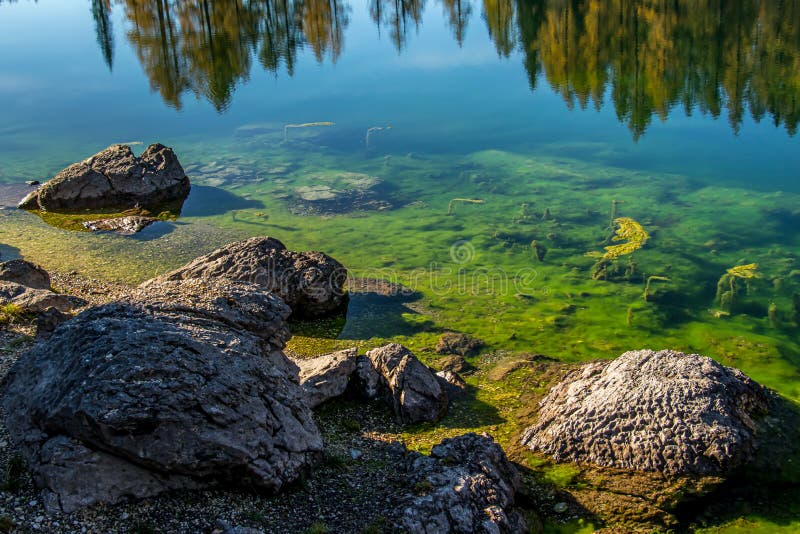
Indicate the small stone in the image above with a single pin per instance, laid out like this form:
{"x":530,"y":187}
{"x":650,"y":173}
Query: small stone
{"x":560,"y":507}
{"x":355,"y":454}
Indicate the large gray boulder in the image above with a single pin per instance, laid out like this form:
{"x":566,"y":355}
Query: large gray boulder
{"x":466,"y":485}
{"x":327,"y":376}
{"x":24,"y":273}
{"x":114,"y":179}
{"x":410,"y":388}
{"x":311,"y":283}
{"x":183,"y":386}
{"x":660,"y":411}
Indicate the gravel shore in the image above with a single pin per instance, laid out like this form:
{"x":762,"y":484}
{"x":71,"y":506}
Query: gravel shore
{"x":353,"y":490}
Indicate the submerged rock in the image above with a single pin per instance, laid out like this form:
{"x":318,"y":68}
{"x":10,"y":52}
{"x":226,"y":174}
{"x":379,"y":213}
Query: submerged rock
{"x":411,"y":388}
{"x":121,"y":225}
{"x":343,"y":193}
{"x":24,"y":273}
{"x":114,"y":178}
{"x":663,"y":411}
{"x":466,"y":485}
{"x":311,"y":283}
{"x":327,"y":376}
{"x":456,"y":343}
{"x":183,"y":386}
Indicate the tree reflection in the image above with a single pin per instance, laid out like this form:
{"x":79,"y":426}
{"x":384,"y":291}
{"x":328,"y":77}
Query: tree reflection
{"x":652,"y":56}
{"x":648,"y":58}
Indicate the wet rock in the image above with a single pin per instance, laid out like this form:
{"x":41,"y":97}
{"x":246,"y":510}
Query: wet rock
{"x":466,"y":485}
{"x":325,"y":377}
{"x":311,"y":283}
{"x":30,"y":300}
{"x":114,"y":178}
{"x":121,"y":225}
{"x":410,"y":388}
{"x":24,"y":273}
{"x":456,"y":343}
{"x":184,"y":385}
{"x":660,"y":411}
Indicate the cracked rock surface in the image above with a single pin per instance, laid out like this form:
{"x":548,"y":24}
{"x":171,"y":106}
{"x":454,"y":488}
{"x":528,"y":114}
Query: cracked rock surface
{"x":114,"y":178}
{"x":183,"y":385}
{"x":311,"y":283}
{"x":660,"y":411}
{"x":466,"y":485}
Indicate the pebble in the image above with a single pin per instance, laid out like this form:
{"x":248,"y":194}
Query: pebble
{"x":560,"y":507}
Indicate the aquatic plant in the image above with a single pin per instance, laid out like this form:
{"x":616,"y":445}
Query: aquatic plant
{"x":772,"y":314}
{"x":614,"y":204}
{"x":451,"y":205}
{"x":546,"y":216}
{"x":539,"y":250}
{"x":304,"y":125}
{"x":374,"y":129}
{"x":632,"y":236}
{"x":727,"y":288}
{"x":649,"y":281}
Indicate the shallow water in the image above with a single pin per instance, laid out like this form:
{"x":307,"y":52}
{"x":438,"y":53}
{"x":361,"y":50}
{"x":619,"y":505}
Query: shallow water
{"x":685,"y":113}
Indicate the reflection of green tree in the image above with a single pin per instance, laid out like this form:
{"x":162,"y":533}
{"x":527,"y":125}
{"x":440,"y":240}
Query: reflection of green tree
{"x":499,"y":17}
{"x":105,"y":37}
{"x":458,"y":13}
{"x":206,"y":46}
{"x":710,"y":55}
{"x":397,"y":14}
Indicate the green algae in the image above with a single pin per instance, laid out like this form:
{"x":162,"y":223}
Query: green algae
{"x":476,"y":272}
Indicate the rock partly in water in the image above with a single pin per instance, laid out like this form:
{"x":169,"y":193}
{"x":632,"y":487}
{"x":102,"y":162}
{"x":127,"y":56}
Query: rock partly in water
{"x":128,"y":225}
{"x":327,"y":376}
{"x":456,"y":343}
{"x":24,"y":273}
{"x":410,"y":388}
{"x":660,"y":411}
{"x":114,"y":178}
{"x":311,"y":283}
{"x":183,"y":386}
{"x":466,"y":485}
{"x":34,"y":301}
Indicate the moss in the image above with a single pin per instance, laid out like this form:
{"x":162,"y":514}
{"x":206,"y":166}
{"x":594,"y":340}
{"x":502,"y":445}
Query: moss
{"x":6,"y":524}
{"x":317,"y":528}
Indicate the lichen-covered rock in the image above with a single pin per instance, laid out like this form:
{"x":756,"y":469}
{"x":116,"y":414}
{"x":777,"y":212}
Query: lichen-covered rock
{"x":327,"y":376}
{"x":311,"y":283}
{"x":411,"y":388}
{"x":30,"y":300}
{"x":182,"y":386}
{"x":466,"y":485}
{"x":652,"y":411}
{"x":114,"y":178}
{"x":24,"y":273}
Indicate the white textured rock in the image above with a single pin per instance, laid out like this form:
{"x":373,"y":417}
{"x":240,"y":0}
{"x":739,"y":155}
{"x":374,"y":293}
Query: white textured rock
{"x":325,"y":377}
{"x":652,"y":411}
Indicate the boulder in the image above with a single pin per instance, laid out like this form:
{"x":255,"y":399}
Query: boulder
{"x":30,"y":300}
{"x":453,"y":384}
{"x":311,"y":283}
{"x":663,"y":411}
{"x":366,"y":380}
{"x":114,"y":179}
{"x":127,"y":225}
{"x":466,"y":485}
{"x":410,"y":388}
{"x":24,"y":273}
{"x":48,"y":320}
{"x":325,"y":377}
{"x":184,"y":385}
{"x":456,"y":343}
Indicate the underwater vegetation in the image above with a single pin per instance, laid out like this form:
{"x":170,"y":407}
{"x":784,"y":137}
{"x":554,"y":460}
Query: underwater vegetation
{"x":631,"y":236}
{"x":728,"y":288}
